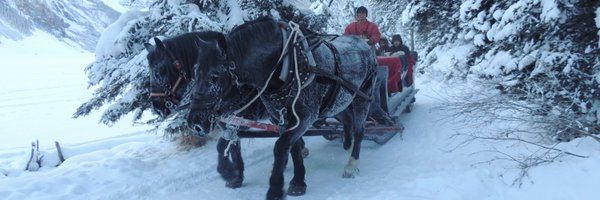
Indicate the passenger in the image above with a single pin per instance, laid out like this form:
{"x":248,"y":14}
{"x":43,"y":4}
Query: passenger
{"x":363,"y":28}
{"x":398,"y":48}
{"x":383,"y":47}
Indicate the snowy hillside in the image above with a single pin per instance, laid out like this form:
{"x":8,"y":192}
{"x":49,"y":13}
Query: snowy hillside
{"x":77,"y":23}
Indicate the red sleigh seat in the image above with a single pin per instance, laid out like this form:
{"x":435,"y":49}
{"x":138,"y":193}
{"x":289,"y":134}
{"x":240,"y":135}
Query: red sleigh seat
{"x":395,"y":69}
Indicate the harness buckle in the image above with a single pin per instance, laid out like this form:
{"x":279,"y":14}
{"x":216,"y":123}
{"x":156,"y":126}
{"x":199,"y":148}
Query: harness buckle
{"x":177,"y":64}
{"x":170,"y":105}
{"x":183,"y":75}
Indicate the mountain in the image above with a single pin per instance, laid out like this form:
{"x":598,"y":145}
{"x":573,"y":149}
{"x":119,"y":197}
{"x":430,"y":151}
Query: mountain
{"x":78,"y":23}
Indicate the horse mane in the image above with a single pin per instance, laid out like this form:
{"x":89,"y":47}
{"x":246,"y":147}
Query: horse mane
{"x":185,"y":46}
{"x":249,"y":34}
{"x":255,"y":45}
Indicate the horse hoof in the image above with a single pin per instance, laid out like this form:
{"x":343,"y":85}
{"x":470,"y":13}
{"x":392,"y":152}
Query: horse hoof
{"x":275,"y":195}
{"x":235,"y":183}
{"x":296,"y":190}
{"x":350,"y":173}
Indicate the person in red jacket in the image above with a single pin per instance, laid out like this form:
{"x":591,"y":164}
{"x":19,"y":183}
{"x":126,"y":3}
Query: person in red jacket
{"x":363,"y":27}
{"x":370,"y":33}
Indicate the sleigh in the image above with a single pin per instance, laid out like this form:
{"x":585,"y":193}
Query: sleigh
{"x":395,"y":103}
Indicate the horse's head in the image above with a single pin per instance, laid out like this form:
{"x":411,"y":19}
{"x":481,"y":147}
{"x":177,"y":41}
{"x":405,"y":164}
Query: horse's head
{"x":168,"y":80}
{"x":215,"y":82}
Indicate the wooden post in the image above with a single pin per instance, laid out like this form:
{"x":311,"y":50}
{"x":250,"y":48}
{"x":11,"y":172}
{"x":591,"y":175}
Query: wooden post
{"x":61,"y":157}
{"x":412,"y":39}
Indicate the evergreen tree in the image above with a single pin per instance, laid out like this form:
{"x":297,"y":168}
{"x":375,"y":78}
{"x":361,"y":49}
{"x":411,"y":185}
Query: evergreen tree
{"x":544,"y":53}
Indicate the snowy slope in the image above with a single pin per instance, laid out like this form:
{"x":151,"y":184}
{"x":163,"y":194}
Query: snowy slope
{"x":77,"y":23}
{"x":41,"y":86}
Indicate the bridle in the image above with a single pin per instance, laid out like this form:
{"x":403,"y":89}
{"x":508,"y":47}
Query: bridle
{"x":171,"y":100}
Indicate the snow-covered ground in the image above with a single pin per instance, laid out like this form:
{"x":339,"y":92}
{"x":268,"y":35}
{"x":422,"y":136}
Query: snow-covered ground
{"x":42,"y":83}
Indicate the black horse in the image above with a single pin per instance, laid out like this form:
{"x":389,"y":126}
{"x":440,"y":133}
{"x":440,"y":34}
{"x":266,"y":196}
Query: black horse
{"x":171,"y":64}
{"x":321,"y":79}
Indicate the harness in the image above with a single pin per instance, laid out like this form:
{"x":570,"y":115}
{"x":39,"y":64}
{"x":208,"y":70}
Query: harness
{"x":169,"y":93}
{"x":303,"y":70}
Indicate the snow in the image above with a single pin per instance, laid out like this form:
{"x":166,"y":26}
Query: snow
{"x":468,"y":6}
{"x":409,"y":12}
{"x":108,"y":39}
{"x":236,"y":16}
{"x":115,"y":4}
{"x":496,"y":64}
{"x":446,"y":55}
{"x":550,"y":10}
{"x":42,"y":85}
{"x":598,"y":23}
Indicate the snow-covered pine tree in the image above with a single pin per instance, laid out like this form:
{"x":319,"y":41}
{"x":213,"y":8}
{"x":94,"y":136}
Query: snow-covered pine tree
{"x":120,"y":75}
{"x":544,"y":53}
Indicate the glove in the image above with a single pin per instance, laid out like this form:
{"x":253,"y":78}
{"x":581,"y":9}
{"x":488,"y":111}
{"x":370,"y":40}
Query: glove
{"x":398,"y":54}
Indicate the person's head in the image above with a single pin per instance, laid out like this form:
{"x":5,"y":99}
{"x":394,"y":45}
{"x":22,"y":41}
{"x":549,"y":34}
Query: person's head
{"x":383,"y":42}
{"x":361,"y":13}
{"x":396,"y":40}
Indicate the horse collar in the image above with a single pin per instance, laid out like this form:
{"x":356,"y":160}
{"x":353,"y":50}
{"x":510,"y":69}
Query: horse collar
{"x":293,"y":72}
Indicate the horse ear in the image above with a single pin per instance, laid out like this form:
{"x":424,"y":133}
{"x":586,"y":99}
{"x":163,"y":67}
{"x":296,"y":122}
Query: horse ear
{"x":149,"y":47}
{"x":200,"y":42}
{"x":222,"y":42}
{"x":220,"y":49}
{"x":159,"y":44}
